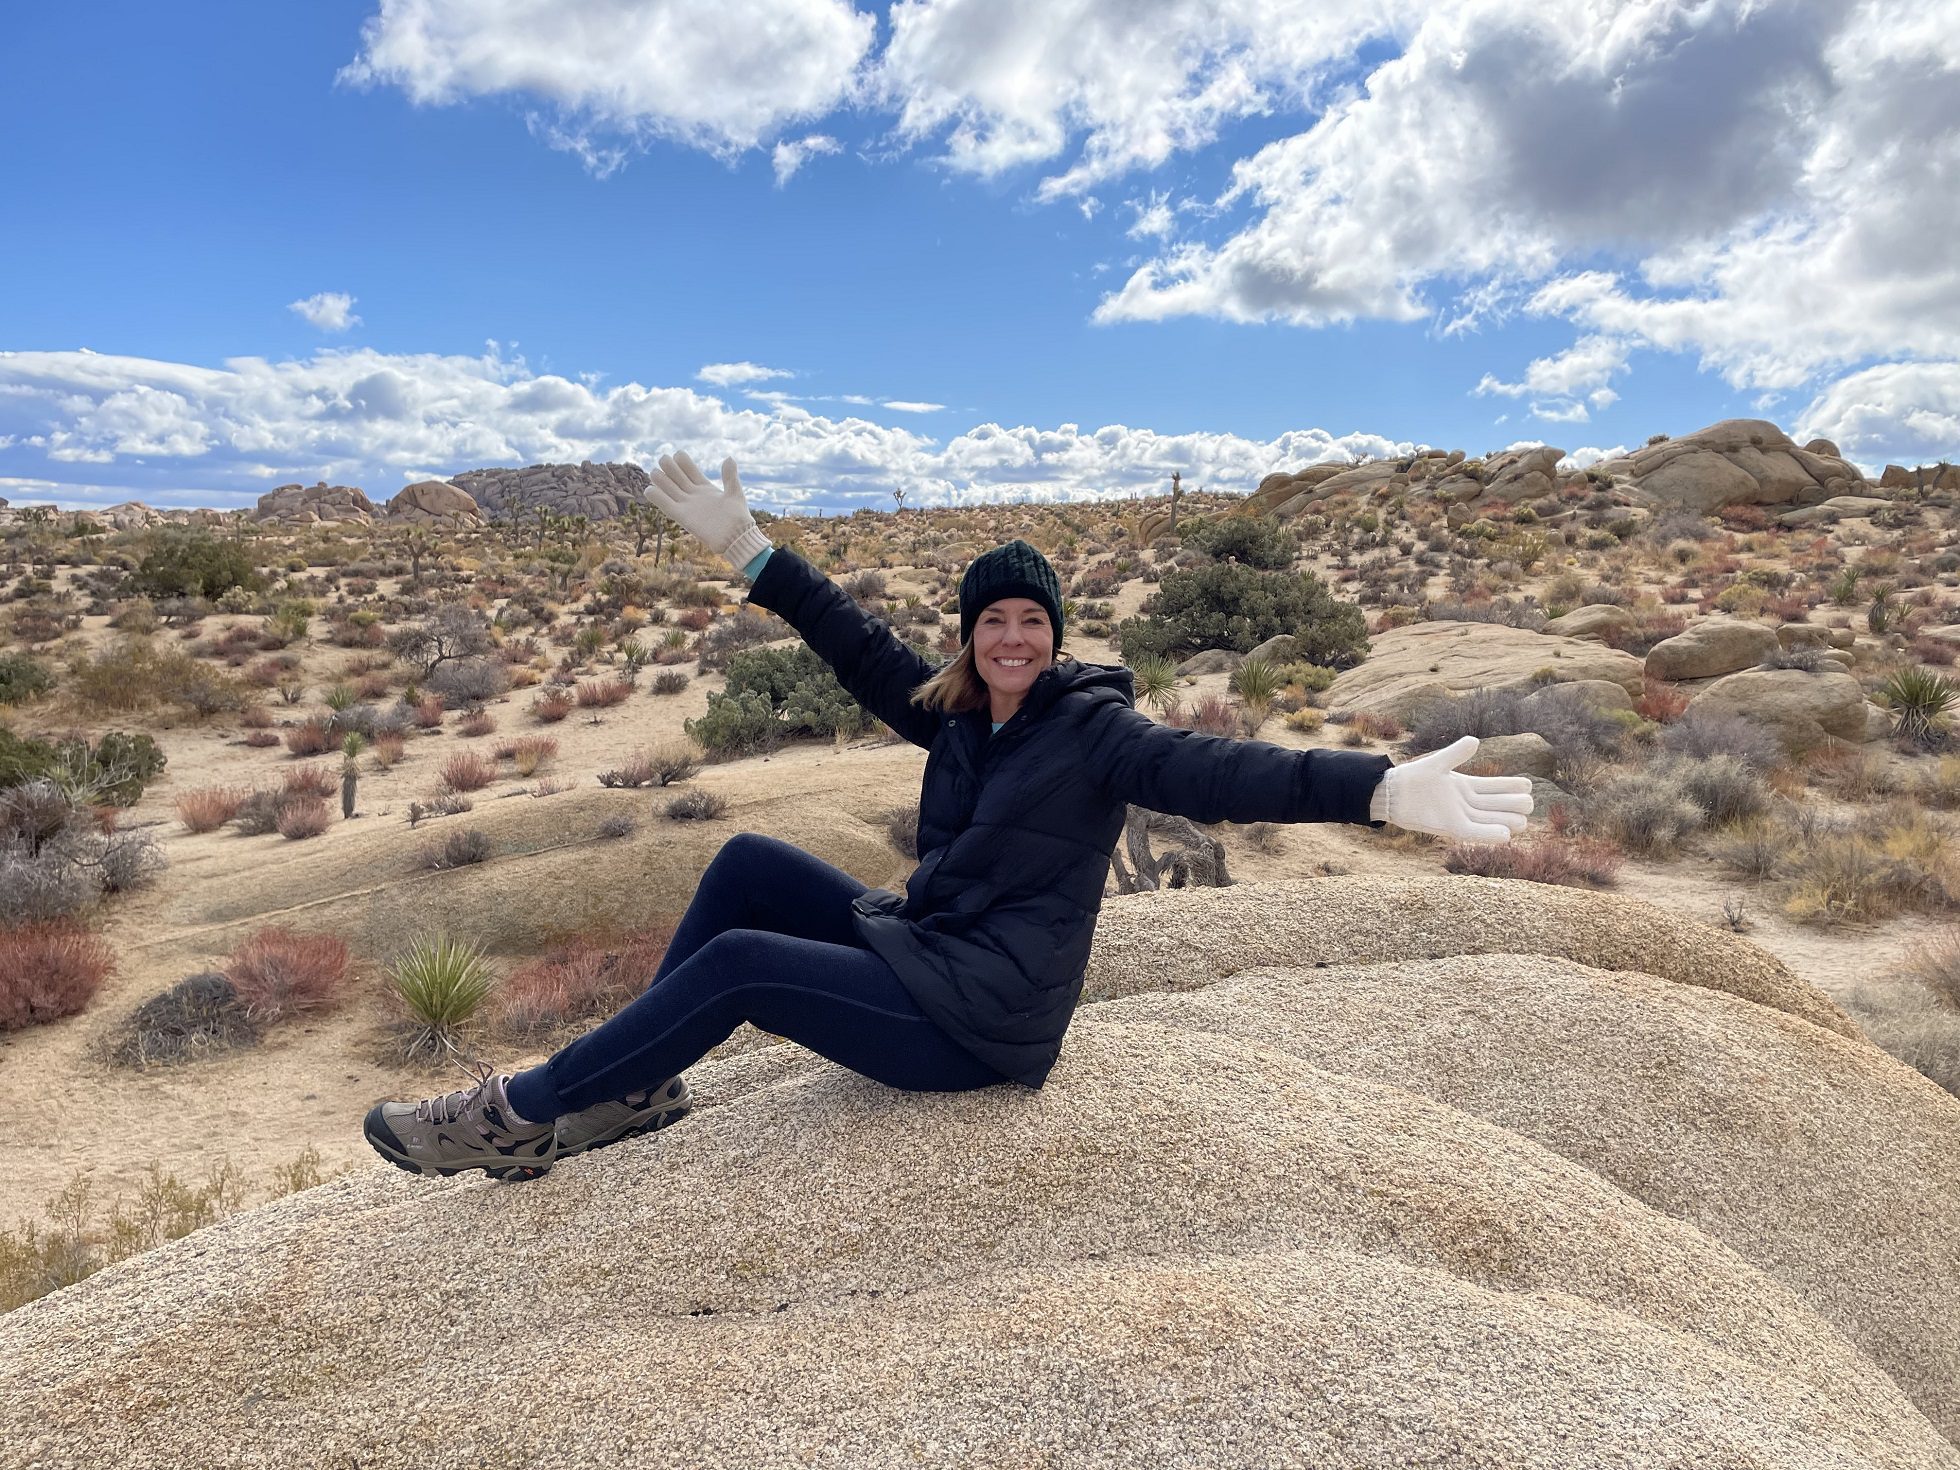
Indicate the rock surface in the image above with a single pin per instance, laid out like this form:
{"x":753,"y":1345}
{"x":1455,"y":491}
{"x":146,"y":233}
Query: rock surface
{"x":435,"y":503}
{"x":1802,"y":708}
{"x":587,"y":489}
{"x":1498,"y":1209}
{"x":1711,"y":647}
{"x":1734,"y":462}
{"x":1410,"y":666}
{"x":306,"y":504}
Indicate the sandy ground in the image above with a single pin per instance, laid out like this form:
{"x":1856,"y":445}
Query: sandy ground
{"x":310,"y":1082}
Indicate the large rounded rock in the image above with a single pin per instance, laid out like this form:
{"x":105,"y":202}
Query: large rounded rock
{"x":1837,"y":508}
{"x":306,"y":504}
{"x":1802,"y":708}
{"x":1710,"y":648}
{"x":1594,"y":620}
{"x":1575,"y":1216}
{"x":1413,"y":665}
{"x":435,"y":502}
{"x":1735,"y":462}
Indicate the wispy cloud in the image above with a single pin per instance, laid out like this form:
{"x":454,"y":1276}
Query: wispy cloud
{"x":791,"y":156}
{"x":731,"y":374}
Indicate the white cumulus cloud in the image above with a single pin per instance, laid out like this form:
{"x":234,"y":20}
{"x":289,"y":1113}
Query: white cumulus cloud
{"x":330,"y":311}
{"x":729,"y":374}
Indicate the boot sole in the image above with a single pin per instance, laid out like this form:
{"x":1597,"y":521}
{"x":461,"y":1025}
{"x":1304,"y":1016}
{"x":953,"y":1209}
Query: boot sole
{"x":414,"y":1166}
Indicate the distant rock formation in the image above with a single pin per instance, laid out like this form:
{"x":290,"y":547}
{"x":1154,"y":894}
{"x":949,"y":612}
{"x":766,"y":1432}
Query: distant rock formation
{"x":596,"y":490}
{"x":434,"y":503}
{"x":1735,"y":462}
{"x":128,"y":515}
{"x":1351,"y":1172}
{"x":1941,"y":476}
{"x":308,"y":504}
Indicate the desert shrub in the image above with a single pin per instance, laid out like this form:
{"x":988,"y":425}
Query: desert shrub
{"x":314,"y":780}
{"x":697,"y":806}
{"x":602,"y":693}
{"x":113,"y":771}
{"x":369,"y":720}
{"x":209,"y":807}
{"x":468,"y":681}
{"x":388,"y":748}
{"x":1253,"y":541}
{"x":531,"y":752}
{"x":901,"y":824}
{"x":551,"y":707}
{"x":459,"y":849}
{"x":476,"y":723}
{"x":1572,"y":861}
{"x":1661,"y":702}
{"x":1920,"y":702}
{"x":865,"y":586}
{"x":278,"y":973}
{"x":468,"y":771}
{"x":56,"y":859}
{"x":441,"y":982}
{"x":199,"y":1016}
{"x":1701,"y":733}
{"x":309,"y":737}
{"x":737,"y":725}
{"x":800,"y":687}
{"x":427,"y":711}
{"x":1211,"y":715}
{"x":300,"y":817}
{"x":746,"y":628}
{"x":669,"y":681}
{"x":619,"y":824}
{"x":258,"y":814}
{"x":577,"y":981}
{"x":48,"y":969}
{"x":450,"y":633}
{"x":194,"y":564}
{"x":1727,"y":789}
{"x":1810,"y":658}
{"x":1227,"y":605}
{"x":1524,"y":613}
{"x":1649,"y":813}
{"x":22,"y":678}
{"x":1935,"y":963}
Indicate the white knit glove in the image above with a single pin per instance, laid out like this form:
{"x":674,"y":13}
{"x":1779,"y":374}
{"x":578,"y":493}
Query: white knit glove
{"x":1428,"y":795}
{"x":718,"y":519}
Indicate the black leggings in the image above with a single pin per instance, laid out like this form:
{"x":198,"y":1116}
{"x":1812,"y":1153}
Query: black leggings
{"x":767,"y":939}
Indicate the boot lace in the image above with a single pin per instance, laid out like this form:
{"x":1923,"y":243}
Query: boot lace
{"x":452,"y":1105}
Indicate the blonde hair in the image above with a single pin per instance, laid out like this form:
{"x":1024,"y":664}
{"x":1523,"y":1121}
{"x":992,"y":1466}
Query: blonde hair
{"x":958,"y":686}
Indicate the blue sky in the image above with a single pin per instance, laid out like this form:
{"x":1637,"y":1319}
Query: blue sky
{"x":551,"y":222}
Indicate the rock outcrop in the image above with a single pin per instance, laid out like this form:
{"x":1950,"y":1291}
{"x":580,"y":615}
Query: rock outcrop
{"x":1407,"y":667}
{"x":1802,"y":708}
{"x":1492,"y":1205}
{"x":308,"y":504}
{"x":587,"y":489}
{"x":1734,"y":462}
{"x":435,"y":503}
{"x":1710,"y":648}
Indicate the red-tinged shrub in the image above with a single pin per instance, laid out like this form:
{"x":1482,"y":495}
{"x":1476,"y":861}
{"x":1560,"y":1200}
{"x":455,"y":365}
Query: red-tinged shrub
{"x":309,"y":737}
{"x":477,"y":722}
{"x":47,"y":971}
{"x":428,"y":712}
{"x":601,"y":693}
{"x":1570,"y":861}
{"x":311,"y":781}
{"x":210,"y":807}
{"x":388,"y":747}
{"x":278,"y":973}
{"x":1212,"y":715}
{"x":694,"y":619}
{"x":577,"y":981}
{"x":261,"y":739}
{"x":302,"y":816}
{"x":255,"y":717}
{"x":372,"y":686}
{"x":468,"y":771}
{"x":549,"y":709}
{"x":1376,"y":726}
{"x":1660,"y":702}
{"x":1929,"y":650}
{"x":531,"y":752}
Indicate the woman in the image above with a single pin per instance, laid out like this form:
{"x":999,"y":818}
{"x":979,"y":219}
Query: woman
{"x":967,"y":979}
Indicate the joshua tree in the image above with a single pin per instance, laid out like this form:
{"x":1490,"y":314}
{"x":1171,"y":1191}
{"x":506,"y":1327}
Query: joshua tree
{"x":899,"y":496}
{"x":1177,"y":490}
{"x":416,"y":543}
{"x":646,"y":523}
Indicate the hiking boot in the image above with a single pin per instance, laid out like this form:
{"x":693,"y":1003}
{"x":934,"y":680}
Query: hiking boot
{"x":608,"y":1122}
{"x":471,"y":1129}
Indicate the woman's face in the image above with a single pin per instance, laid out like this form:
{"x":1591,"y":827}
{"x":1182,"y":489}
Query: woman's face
{"x":1012,"y":642}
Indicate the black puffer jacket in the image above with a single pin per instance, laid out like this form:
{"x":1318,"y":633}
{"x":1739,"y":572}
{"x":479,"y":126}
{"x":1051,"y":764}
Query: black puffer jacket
{"x":992,"y":934}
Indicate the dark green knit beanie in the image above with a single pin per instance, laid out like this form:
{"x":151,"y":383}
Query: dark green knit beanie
{"x":1013,"y":570}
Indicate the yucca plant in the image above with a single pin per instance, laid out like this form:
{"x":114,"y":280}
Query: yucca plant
{"x":1844,"y":588}
{"x":1156,"y":679}
{"x":340,"y":696}
{"x":1919,"y":700}
{"x":442,"y":981}
{"x":1256,"y":680}
{"x":1878,"y":617}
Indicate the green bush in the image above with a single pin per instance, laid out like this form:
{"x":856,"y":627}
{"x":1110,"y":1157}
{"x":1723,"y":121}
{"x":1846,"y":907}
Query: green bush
{"x":801,"y":690}
{"x":115,"y":770}
{"x":1247,"y":539}
{"x":735,"y":725}
{"x":21,"y":678}
{"x":191,"y":564}
{"x":442,"y":982}
{"x":1227,"y":605}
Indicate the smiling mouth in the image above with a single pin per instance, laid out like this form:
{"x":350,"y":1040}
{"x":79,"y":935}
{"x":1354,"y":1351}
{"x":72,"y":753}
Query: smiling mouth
{"x":1013,"y":663}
